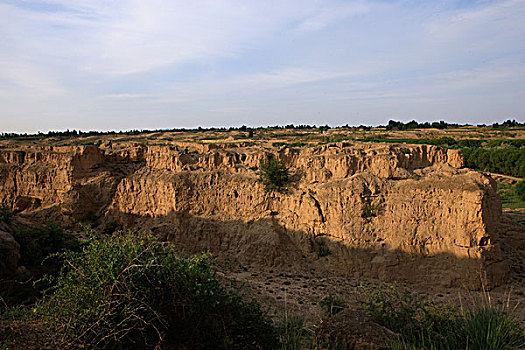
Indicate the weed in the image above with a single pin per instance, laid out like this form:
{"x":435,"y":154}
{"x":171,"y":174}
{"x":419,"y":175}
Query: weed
{"x":322,"y":247}
{"x":332,"y":305}
{"x":293,"y":333}
{"x":369,"y":211}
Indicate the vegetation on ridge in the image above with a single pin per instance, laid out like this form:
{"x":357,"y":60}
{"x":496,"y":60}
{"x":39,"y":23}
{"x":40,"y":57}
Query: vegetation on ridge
{"x":273,"y":174}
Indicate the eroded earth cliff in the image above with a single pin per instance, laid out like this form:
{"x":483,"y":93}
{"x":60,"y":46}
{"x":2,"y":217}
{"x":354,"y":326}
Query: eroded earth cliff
{"x":405,"y":213}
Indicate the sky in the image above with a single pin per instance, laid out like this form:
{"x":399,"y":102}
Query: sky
{"x":152,"y":64}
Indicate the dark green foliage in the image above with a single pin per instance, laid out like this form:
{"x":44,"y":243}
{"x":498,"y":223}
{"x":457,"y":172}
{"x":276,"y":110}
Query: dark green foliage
{"x":273,"y":174}
{"x":509,"y":160}
{"x":425,"y":324}
{"x":37,"y":243}
{"x":36,"y":246}
{"x":510,"y":198}
{"x":18,"y":290}
{"x":290,"y":144}
{"x":5,"y":214}
{"x":135,"y":292}
{"x":395,"y":125}
{"x":111,"y":227}
{"x":520,"y":190}
{"x":332,"y":305}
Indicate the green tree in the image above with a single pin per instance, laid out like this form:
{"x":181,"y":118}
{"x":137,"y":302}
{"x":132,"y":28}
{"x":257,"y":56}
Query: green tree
{"x":273,"y":174}
{"x":520,"y":190}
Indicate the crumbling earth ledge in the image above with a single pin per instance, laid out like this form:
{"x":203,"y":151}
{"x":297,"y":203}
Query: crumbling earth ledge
{"x":395,"y":212}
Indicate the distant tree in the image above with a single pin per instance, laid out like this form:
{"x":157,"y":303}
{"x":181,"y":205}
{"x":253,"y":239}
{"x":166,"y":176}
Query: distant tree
{"x":520,"y":190}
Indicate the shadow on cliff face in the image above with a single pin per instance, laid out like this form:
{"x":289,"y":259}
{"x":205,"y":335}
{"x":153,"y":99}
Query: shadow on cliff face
{"x":266,"y":243}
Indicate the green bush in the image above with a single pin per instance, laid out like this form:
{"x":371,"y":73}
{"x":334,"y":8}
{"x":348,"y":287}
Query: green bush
{"x":425,"y":324}
{"x":520,"y":190}
{"x":273,"y":174}
{"x":37,"y":243}
{"x":135,"y":292}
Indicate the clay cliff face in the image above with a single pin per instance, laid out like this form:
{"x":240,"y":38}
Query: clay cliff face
{"x":395,"y":212}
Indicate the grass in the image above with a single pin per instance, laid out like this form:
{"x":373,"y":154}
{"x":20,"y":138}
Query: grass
{"x":509,"y":197}
{"x":426,"y":324}
{"x":293,"y":333}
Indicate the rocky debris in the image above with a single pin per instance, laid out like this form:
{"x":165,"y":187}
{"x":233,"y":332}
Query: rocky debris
{"x":353,"y":330}
{"x":395,"y":212}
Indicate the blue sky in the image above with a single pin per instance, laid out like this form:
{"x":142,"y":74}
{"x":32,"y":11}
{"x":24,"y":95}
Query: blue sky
{"x":118,"y":65}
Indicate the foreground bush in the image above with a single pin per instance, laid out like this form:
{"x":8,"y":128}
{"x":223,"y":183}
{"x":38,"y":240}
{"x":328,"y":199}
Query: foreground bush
{"x":425,"y":324}
{"x":135,"y":292}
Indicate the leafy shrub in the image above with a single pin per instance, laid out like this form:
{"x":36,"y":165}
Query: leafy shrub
{"x":135,"y":292}
{"x":273,"y":174}
{"x":520,"y":190}
{"x":37,"y":243}
{"x":425,"y":324}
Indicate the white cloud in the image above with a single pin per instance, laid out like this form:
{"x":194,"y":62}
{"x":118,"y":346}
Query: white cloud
{"x":327,"y":15}
{"x":24,"y":77}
